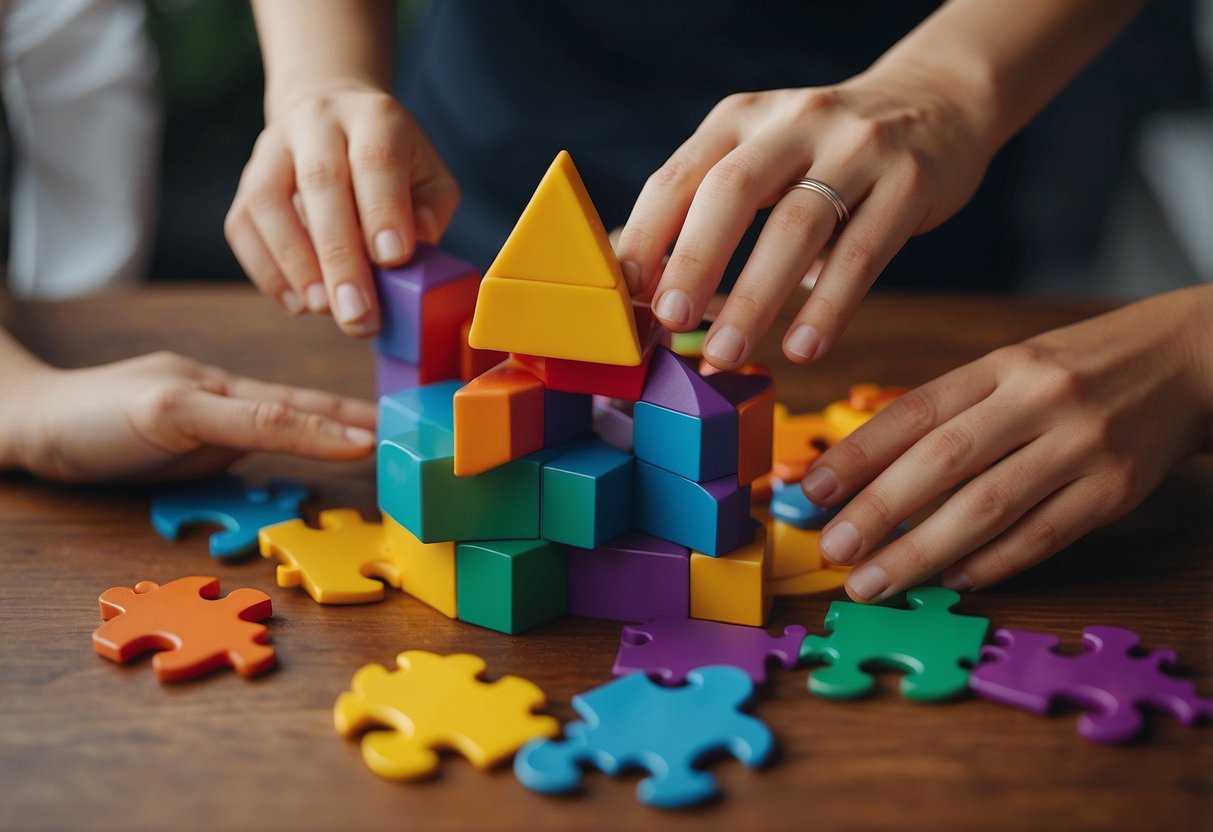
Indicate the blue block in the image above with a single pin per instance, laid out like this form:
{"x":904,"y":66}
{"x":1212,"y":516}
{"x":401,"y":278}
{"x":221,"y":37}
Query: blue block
{"x":406,"y":410}
{"x":566,"y":416}
{"x":587,"y":495}
{"x":790,"y":505}
{"x":711,"y":517}
{"x":418,"y":489}
{"x":698,"y":448}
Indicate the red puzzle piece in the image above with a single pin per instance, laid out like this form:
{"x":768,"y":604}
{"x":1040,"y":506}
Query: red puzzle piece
{"x":197,"y":633}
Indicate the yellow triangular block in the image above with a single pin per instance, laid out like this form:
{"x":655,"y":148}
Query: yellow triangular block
{"x":581,"y":323}
{"x":559,"y":238}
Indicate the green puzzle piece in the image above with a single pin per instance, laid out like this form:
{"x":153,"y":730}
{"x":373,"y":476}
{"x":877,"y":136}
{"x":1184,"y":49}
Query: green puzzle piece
{"x":928,"y":641}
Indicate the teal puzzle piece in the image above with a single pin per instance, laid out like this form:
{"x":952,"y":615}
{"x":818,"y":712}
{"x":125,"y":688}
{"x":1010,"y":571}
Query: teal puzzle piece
{"x":633,"y":722}
{"x":226,"y":501}
{"x":928,"y":641}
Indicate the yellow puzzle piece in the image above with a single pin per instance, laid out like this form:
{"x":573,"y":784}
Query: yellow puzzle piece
{"x":809,"y":583}
{"x":336,"y":563}
{"x":434,"y":702}
{"x":559,"y":238}
{"x":794,"y":550}
{"x":427,"y":570}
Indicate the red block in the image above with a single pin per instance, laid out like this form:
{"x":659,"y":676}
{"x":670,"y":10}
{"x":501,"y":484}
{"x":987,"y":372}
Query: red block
{"x":474,"y":362}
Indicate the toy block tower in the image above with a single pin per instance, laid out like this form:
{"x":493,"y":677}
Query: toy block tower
{"x":514,"y":499}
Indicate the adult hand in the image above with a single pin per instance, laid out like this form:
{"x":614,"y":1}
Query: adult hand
{"x":904,"y":149}
{"x":162,"y":416}
{"x":1046,"y":440}
{"x":338,"y":180}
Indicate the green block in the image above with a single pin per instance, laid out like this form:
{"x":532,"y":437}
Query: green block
{"x":419,"y":490}
{"x":510,"y":585}
{"x":933,"y":645}
{"x":587,"y":495}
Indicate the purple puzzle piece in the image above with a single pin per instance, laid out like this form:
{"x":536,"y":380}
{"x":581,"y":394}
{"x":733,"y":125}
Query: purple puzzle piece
{"x":634,"y":577}
{"x":674,"y":384}
{"x":672,"y":647}
{"x":1023,"y":670}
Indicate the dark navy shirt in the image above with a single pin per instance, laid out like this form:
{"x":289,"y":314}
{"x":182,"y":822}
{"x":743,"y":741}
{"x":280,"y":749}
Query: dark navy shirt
{"x":501,"y":85}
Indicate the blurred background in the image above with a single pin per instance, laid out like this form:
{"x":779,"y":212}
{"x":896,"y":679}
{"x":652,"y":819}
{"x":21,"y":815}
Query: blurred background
{"x":1114,"y":194}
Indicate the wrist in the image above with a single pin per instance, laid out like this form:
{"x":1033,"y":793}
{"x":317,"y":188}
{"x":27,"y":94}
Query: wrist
{"x":284,"y":95}
{"x":21,"y":435}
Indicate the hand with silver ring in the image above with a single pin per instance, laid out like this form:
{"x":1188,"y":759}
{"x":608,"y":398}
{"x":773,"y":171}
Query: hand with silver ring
{"x":853,"y":171}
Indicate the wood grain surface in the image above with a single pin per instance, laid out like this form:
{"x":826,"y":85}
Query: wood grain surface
{"x":85,"y":743}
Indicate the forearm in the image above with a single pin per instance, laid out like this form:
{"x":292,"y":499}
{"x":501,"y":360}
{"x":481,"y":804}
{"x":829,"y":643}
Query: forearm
{"x":1009,"y":59}
{"x":17,"y":367}
{"x":308,"y":45}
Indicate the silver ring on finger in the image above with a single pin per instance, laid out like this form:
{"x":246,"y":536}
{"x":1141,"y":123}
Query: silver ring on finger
{"x":819,"y":187}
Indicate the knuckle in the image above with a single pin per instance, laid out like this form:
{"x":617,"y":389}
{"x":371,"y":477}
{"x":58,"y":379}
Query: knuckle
{"x":991,"y":502}
{"x":687,"y":263}
{"x":818,"y":101}
{"x":1040,"y":535}
{"x":874,"y":506}
{"x":268,"y":417}
{"x":1017,"y":357}
{"x":949,"y":447}
{"x":918,"y":411}
{"x":1003,"y":563}
{"x":855,"y":256}
{"x":729,"y":178}
{"x":165,"y":402}
{"x":336,"y":256}
{"x":874,"y":134}
{"x":746,"y":304}
{"x":913,"y":555}
{"x":854,"y":455}
{"x":319,"y":174}
{"x":677,"y":172}
{"x":375,"y":156}
{"x":738,"y":102}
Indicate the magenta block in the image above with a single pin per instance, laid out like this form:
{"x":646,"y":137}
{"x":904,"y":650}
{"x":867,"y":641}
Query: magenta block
{"x":677,"y":386}
{"x":633,"y":578}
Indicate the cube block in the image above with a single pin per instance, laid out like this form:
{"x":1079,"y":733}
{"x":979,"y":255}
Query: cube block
{"x":711,"y":517}
{"x":511,"y":585}
{"x":632,"y":578}
{"x":498,"y":418}
{"x":731,"y":588}
{"x":586,"y":495}
{"x":405,"y":410}
{"x":698,"y":448}
{"x":427,"y":570}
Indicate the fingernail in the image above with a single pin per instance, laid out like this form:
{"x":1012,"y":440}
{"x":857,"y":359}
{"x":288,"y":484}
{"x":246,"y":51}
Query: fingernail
{"x":675,"y":308}
{"x":291,"y":301}
{"x":726,"y":344}
{"x":351,"y":305}
{"x":631,"y":275}
{"x":426,"y":224}
{"x":957,"y":581}
{"x":389,"y":248}
{"x":360,"y":436}
{"x":317,"y":298}
{"x":840,"y":543}
{"x":820,"y":484}
{"x":869,"y":582}
{"x":803,"y":342}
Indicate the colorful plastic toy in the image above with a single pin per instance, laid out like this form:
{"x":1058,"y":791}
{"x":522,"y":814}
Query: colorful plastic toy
{"x":406,"y":410}
{"x":1110,"y":679}
{"x":498,"y":418}
{"x":790,"y":505}
{"x":753,"y":396}
{"x":430,"y":703}
{"x":473,"y":362}
{"x":712,"y":517}
{"x":511,"y":585}
{"x":794,"y":551}
{"x":338,"y":562}
{"x":586,"y":494}
{"x":928,"y":641}
{"x":633,"y":578}
{"x":427,"y":570}
{"x":732,"y":587}
{"x":241,"y":509}
{"x":633,"y":722}
{"x":567,"y":417}
{"x":195,"y":632}
{"x":670,"y":648}
{"x":815,"y":582}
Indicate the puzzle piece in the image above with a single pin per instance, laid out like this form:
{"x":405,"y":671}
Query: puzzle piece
{"x":197,"y":633}
{"x":336,"y":563}
{"x":242,"y":510}
{"x":673,"y":647}
{"x":432,"y":702}
{"x":1022,"y":669}
{"x":927,"y":641}
{"x":634,"y":722}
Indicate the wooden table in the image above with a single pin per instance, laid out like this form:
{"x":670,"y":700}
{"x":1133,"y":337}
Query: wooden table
{"x":86,"y":743}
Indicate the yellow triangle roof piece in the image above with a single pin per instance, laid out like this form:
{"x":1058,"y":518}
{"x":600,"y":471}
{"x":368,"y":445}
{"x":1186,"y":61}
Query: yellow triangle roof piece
{"x":559,"y":238}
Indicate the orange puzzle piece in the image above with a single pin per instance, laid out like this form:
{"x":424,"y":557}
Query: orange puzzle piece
{"x":197,"y":633}
{"x":498,"y":417}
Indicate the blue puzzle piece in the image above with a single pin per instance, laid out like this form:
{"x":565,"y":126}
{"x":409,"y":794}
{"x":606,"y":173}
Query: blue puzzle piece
{"x":634,"y":722}
{"x":242,"y":510}
{"x":790,"y":505}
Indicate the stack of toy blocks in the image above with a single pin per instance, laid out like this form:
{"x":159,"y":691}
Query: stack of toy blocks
{"x":513,"y":498}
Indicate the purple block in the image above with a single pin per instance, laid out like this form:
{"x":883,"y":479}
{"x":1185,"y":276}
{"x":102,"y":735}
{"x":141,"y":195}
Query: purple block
{"x":675,"y":385}
{"x":1110,"y":679}
{"x":670,"y":648}
{"x":612,"y":425}
{"x":402,"y":292}
{"x":393,"y":375}
{"x":633,"y":578}
{"x":566,"y":416}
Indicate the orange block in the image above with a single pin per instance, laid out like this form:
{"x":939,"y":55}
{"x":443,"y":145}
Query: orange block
{"x":755,"y":435}
{"x":473,"y":362}
{"x":498,"y":418}
{"x":873,"y":397}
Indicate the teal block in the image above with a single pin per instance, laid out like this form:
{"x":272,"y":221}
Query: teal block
{"x":698,"y":448}
{"x":586,"y":495}
{"x":711,"y":517}
{"x":511,"y":585}
{"x":432,"y":404}
{"x":418,"y":489}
